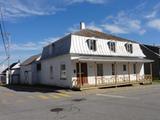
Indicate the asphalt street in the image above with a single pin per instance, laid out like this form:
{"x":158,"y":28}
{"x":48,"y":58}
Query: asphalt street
{"x":124,"y":103}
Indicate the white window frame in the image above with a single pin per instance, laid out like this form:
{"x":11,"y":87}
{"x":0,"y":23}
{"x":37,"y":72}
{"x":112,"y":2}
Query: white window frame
{"x":129,"y":47}
{"x":112,"y":46}
{"x":63,"y":74}
{"x":92,"y":44}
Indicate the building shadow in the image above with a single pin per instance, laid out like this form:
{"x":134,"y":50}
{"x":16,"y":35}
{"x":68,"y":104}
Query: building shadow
{"x":36,"y":88}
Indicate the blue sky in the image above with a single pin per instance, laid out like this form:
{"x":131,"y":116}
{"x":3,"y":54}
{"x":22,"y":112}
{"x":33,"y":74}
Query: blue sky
{"x":35,"y":23}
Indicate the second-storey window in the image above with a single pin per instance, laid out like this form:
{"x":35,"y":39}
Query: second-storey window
{"x":129,"y":47}
{"x":92,"y":44}
{"x":112,"y":46}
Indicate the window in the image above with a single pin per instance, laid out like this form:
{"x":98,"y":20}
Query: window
{"x":113,"y":69}
{"x":112,"y":46}
{"x":134,"y":68}
{"x":92,"y":44}
{"x":39,"y":67}
{"x":51,"y":72}
{"x":124,"y":68}
{"x":129,"y":47}
{"x":63,"y":72}
{"x":99,"y":69}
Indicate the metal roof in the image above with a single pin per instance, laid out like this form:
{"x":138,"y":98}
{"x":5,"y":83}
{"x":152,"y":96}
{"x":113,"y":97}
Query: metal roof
{"x":101,"y":35}
{"x":30,"y":60}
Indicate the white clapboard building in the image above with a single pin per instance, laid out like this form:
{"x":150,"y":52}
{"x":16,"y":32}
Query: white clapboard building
{"x":88,"y":58}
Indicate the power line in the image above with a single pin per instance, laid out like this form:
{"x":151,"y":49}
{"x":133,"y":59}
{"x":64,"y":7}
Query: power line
{"x":2,"y":33}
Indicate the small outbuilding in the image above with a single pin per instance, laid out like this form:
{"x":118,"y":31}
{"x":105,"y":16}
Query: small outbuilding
{"x":29,"y":70}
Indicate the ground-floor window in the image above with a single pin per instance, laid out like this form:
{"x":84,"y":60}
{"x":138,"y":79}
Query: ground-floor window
{"x":51,"y":72}
{"x":99,"y":69}
{"x":124,"y":68}
{"x":113,"y":69}
{"x":63,"y":75}
{"x":134,"y":68}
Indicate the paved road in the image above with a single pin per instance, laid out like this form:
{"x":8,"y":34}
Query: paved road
{"x":127,"y":103}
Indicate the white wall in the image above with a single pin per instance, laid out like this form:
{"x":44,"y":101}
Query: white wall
{"x":55,"y":63}
{"x":79,"y":46}
{"x":23,"y":79}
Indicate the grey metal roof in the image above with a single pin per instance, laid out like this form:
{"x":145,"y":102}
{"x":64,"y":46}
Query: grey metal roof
{"x":30,"y":60}
{"x":60,"y":47}
{"x":112,"y":59}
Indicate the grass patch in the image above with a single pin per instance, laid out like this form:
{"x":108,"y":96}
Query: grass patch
{"x":156,"y":81}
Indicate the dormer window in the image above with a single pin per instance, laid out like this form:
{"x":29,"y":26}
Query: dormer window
{"x":92,"y":44}
{"x":129,"y":47}
{"x":112,"y":46}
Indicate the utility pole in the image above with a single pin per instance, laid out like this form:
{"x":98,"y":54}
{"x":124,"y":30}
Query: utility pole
{"x":8,"y":80}
{"x":6,"y":43}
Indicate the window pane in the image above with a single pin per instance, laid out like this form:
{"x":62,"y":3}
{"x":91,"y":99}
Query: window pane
{"x":134,"y":68}
{"x":124,"y":68}
{"x":91,"y":44}
{"x":99,"y":69}
{"x":51,"y":72}
{"x":63,"y":72}
{"x":113,"y":69}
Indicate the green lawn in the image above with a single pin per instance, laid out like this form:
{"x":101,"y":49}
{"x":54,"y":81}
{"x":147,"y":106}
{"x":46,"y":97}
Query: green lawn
{"x":156,"y":81}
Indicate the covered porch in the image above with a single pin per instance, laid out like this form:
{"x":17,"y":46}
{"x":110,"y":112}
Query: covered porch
{"x":109,"y":71}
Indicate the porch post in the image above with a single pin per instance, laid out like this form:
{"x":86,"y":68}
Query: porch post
{"x":129,"y":72}
{"x":136,"y":73}
{"x":115,"y":67}
{"x":151,"y":70}
{"x":80,"y":77}
{"x":95,"y":73}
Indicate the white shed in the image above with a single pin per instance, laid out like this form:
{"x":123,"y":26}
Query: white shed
{"x":28,"y":70}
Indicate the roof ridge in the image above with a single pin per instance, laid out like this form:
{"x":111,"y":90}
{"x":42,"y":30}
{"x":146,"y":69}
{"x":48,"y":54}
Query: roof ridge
{"x":99,"y":34}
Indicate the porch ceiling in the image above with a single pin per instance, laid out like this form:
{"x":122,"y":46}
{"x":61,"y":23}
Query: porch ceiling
{"x":111,"y":59}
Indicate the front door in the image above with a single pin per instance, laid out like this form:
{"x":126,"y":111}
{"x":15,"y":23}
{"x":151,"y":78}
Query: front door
{"x":83,"y":74}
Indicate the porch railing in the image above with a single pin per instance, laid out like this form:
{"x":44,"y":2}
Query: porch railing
{"x":114,"y":81}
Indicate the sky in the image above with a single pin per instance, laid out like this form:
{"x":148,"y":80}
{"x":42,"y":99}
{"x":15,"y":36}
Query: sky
{"x":33,"y":24}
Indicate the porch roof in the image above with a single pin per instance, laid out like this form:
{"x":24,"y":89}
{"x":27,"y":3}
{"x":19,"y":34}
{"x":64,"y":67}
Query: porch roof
{"x":111,"y":59}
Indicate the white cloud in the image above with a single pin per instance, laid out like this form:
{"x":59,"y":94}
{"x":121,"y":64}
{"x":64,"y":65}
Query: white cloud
{"x":74,"y":28}
{"x":154,"y":24}
{"x":48,"y":41}
{"x":123,"y":23}
{"x":151,"y":15}
{"x":94,"y":27}
{"x":19,"y":8}
{"x":30,"y":46}
{"x":114,"y":29}
{"x":23,"y":8}
{"x":89,"y":1}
